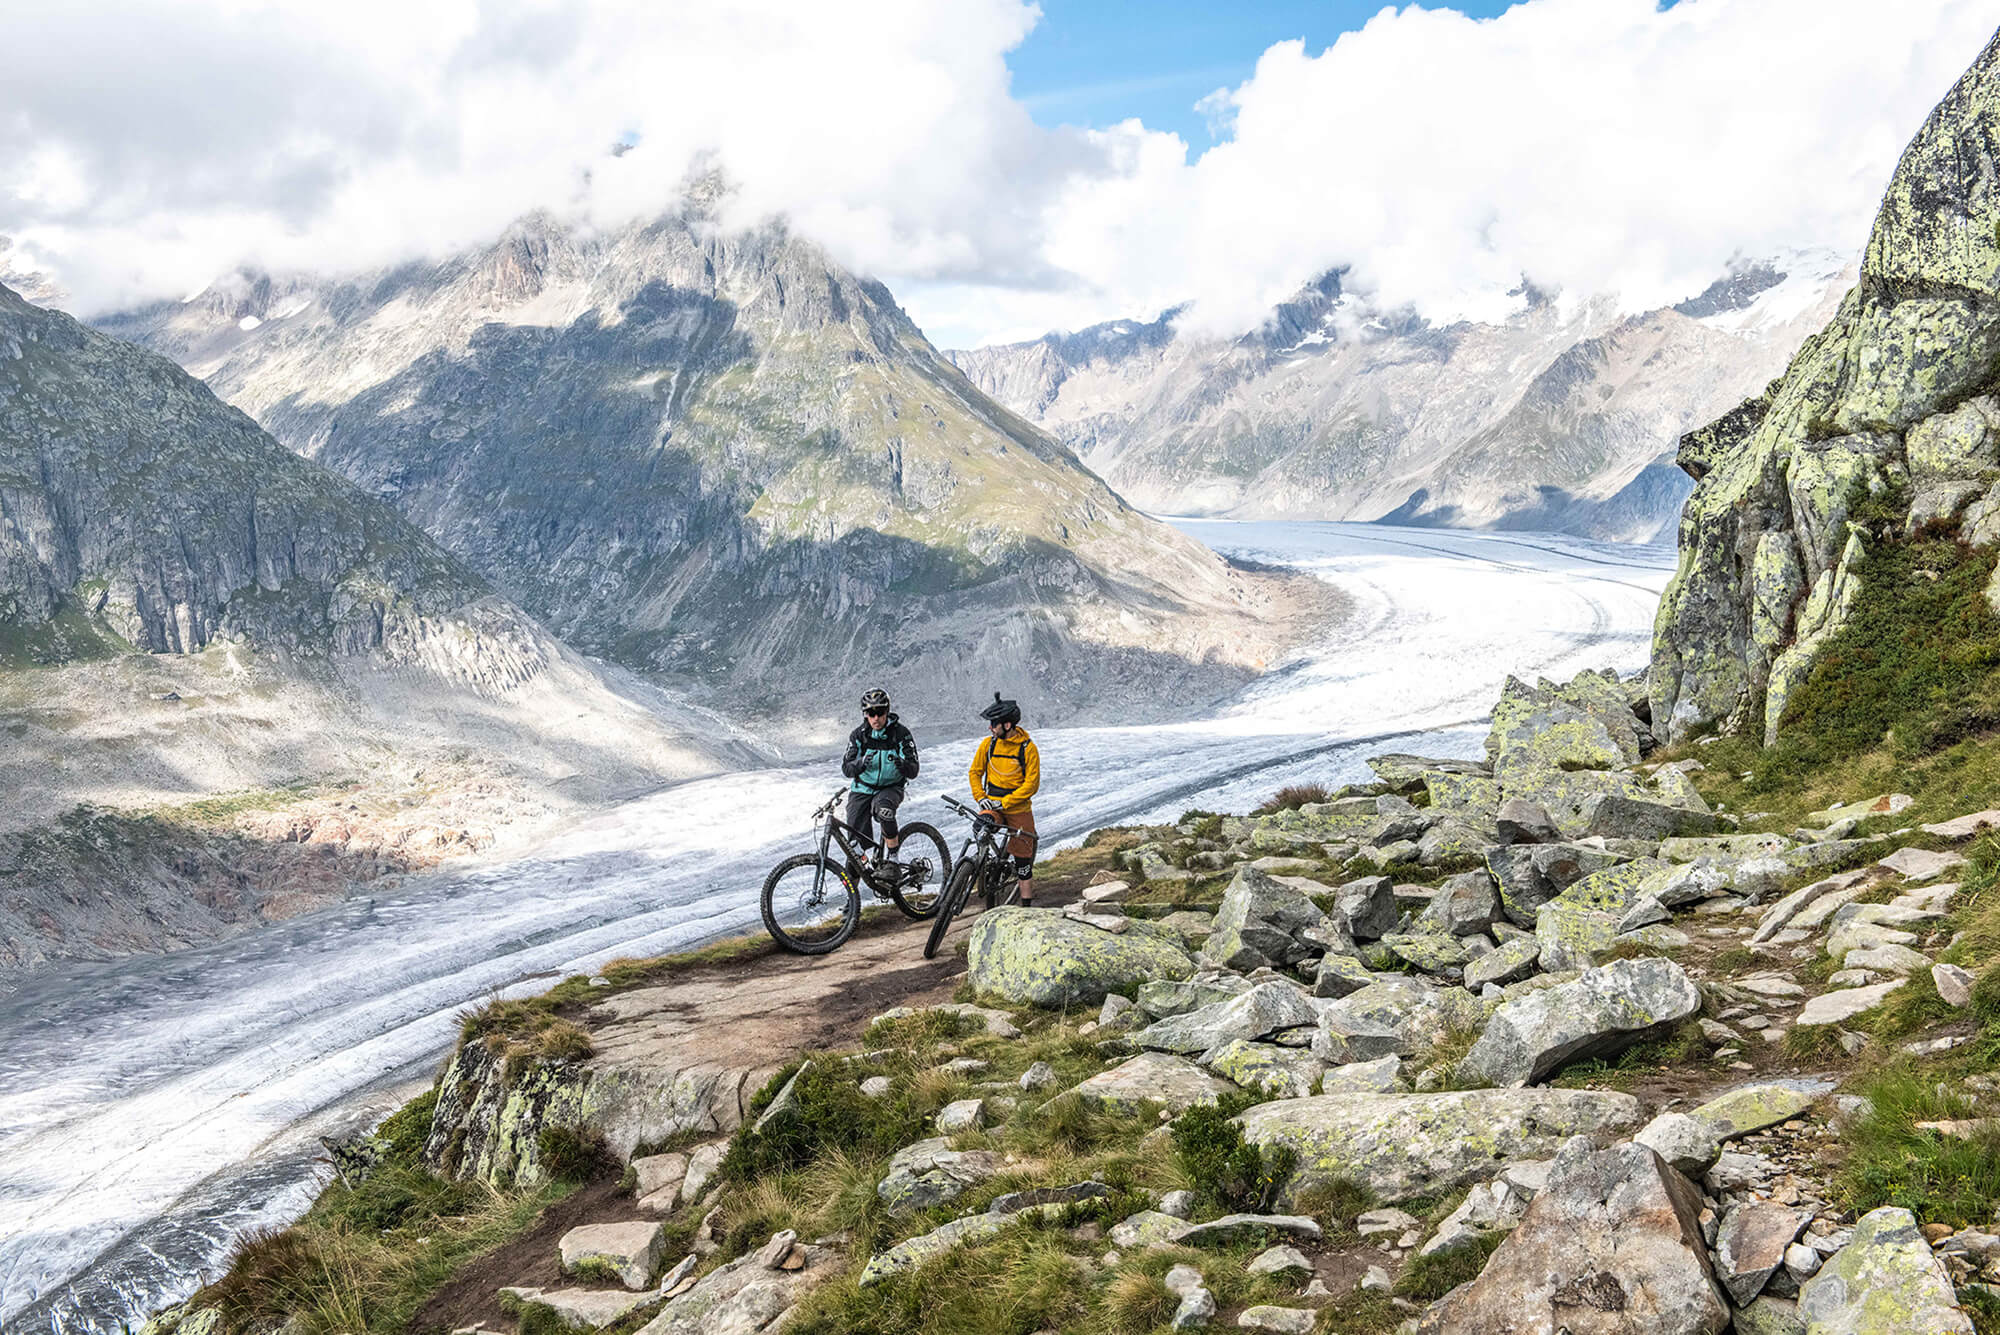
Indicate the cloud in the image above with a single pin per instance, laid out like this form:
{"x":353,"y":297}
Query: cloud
{"x":1589,"y":145}
{"x":1593,"y":145}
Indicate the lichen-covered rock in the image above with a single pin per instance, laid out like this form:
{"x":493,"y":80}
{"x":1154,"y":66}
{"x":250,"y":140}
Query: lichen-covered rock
{"x":1279,"y":1073}
{"x":1340,"y":975}
{"x":931,"y":1172}
{"x":1884,"y":1282}
{"x":907,"y":1255}
{"x":1259,"y":922}
{"x":1530,"y":875}
{"x":1585,"y":724}
{"x":1613,"y":1245}
{"x":1616,"y":816}
{"x":1689,"y":1145}
{"x":1401,"y":1146}
{"x":1510,"y":963}
{"x":185,"y":1319}
{"x":1463,"y":905}
{"x":1755,"y":1106}
{"x":1034,"y":958}
{"x":1429,"y":952}
{"x":1408,"y":774}
{"x":1768,"y":569}
{"x":1151,"y":1077}
{"x":1384,"y":1075}
{"x":1572,"y":936}
{"x":1604,"y":1011}
{"x":1414,"y":1014}
{"x":1163,"y":997}
{"x":1263,"y":1010}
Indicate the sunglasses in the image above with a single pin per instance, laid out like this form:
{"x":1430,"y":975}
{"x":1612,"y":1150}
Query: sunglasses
{"x":875,"y":713}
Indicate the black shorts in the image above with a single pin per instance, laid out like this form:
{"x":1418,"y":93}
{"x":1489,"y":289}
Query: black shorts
{"x":864,"y":809}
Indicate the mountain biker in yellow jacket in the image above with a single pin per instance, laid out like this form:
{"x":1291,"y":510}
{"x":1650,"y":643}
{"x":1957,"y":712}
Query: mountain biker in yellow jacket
{"x":1006,"y":771}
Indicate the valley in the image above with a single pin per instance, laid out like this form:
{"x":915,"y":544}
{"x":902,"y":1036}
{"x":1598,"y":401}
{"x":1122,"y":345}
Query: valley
{"x":154,"y":1108}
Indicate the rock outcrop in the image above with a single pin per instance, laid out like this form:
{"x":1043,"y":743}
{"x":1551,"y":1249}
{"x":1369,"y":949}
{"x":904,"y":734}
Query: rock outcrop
{"x":1894,"y":396}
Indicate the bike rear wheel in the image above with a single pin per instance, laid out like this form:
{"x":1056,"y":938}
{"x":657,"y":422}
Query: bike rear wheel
{"x":956,"y":891}
{"x":926,"y":871}
{"x":807,"y":912}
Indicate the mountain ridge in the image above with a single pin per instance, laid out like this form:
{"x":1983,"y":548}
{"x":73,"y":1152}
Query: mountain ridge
{"x":720,"y":458}
{"x":1564,"y":417}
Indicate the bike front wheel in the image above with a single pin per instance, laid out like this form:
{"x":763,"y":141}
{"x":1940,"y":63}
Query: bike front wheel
{"x":810,"y":904}
{"x":926,"y":864}
{"x":956,"y":891}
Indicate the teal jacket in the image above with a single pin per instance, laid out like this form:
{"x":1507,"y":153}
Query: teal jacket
{"x":879,"y":758}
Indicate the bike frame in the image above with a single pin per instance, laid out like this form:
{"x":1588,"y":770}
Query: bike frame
{"x":837,"y":831}
{"x":986,"y":841}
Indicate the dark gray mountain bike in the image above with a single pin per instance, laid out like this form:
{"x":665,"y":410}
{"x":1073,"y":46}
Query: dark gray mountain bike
{"x":812,"y":902}
{"x":983,"y":865}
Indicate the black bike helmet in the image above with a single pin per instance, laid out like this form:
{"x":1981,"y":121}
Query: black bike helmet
{"x":875,"y":699}
{"x":1002,"y":711}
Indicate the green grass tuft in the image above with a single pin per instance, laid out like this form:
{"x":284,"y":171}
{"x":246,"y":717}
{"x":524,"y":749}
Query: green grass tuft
{"x":1428,"y":1278}
{"x":1940,"y":1178}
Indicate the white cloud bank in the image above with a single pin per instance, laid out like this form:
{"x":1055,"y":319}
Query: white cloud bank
{"x":1594,"y":145}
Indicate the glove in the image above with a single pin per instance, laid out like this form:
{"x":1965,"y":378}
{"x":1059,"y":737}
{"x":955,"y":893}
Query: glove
{"x":990,"y":803}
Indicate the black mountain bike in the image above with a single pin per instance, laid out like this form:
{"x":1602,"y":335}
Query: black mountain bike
{"x":812,"y":902}
{"x":983,"y":864}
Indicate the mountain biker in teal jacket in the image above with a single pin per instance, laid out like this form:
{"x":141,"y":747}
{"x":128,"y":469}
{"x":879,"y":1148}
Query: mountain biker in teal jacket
{"x":881,"y":757}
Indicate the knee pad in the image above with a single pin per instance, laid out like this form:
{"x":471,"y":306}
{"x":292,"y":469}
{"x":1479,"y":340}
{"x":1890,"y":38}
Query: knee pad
{"x":1024,"y":868}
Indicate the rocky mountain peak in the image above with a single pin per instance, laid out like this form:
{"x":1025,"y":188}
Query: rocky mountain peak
{"x":714,"y":454}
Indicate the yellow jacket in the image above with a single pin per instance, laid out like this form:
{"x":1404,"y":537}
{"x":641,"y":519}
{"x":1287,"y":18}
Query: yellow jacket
{"x":1008,"y":769}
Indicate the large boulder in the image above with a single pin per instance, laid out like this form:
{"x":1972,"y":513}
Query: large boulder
{"x":1884,"y":1282}
{"x":1275,"y":1072}
{"x":1612,"y":1246}
{"x":1367,"y":907}
{"x":1151,"y":1077}
{"x":1463,"y":905}
{"x":1259,"y":923}
{"x":1530,"y":875}
{"x":931,"y":1172}
{"x":1035,"y":958}
{"x":1603,"y":1011}
{"x":1402,"y":1146}
{"x":1584,"y":725}
{"x":1413,"y":1015}
{"x":1263,"y":1010}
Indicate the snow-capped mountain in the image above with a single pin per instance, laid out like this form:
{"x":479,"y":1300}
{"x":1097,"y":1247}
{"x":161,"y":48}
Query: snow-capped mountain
{"x":1564,"y":416}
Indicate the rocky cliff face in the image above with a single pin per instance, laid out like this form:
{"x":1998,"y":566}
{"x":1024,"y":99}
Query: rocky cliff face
{"x":141,"y":512}
{"x":1563,"y":417}
{"x":1894,"y":398}
{"x":720,"y":456}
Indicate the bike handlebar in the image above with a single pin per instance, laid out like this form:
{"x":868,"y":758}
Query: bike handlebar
{"x":975,"y":815}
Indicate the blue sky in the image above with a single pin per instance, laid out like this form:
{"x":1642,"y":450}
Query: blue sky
{"x":1097,"y":62}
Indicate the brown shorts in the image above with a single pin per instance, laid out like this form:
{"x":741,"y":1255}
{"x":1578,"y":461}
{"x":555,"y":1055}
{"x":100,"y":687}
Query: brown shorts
{"x":1022,"y":849}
